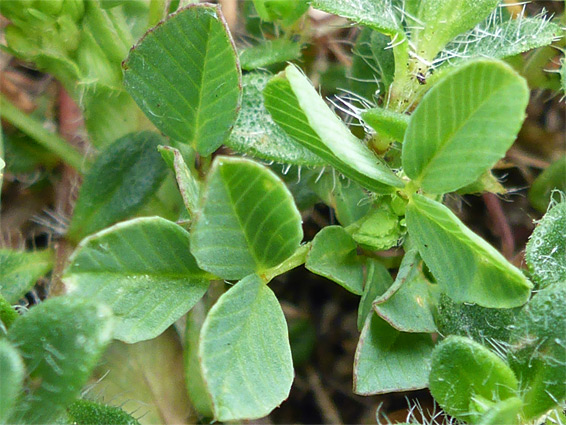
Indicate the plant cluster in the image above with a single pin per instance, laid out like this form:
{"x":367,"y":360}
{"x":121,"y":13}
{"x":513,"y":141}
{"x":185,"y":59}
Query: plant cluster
{"x":437,"y":96}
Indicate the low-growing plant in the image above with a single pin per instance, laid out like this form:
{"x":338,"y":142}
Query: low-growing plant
{"x":437,"y":92}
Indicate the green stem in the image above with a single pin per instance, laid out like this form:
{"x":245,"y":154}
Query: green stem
{"x":295,"y":260}
{"x":35,"y":130}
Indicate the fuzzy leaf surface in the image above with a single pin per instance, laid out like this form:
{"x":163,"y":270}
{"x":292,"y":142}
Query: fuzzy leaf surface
{"x":60,"y":341}
{"x":184,"y":74}
{"x":463,"y":371}
{"x":388,"y":360}
{"x":247,"y":222}
{"x":257,"y":134}
{"x":119,"y":183}
{"x":20,"y":270}
{"x":546,"y":249}
{"x":269,"y":52}
{"x":143,"y":270}
{"x":538,"y":350}
{"x":379,"y":15}
{"x":470,"y":117}
{"x":466,"y":267}
{"x":295,"y":105}
{"x":85,"y":412}
{"x":333,"y":255}
{"x":12,"y":374}
{"x":245,"y":352}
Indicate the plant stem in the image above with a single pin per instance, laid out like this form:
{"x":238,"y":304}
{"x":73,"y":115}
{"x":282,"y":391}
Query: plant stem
{"x":295,"y":260}
{"x":35,"y":130}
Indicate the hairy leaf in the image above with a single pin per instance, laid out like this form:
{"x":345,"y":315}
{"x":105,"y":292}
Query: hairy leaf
{"x":245,"y":353}
{"x":20,"y":270}
{"x":257,"y":134}
{"x":85,"y":412}
{"x":466,"y":267}
{"x":247,"y":222}
{"x":60,"y":341}
{"x":119,"y":183}
{"x":464,"y":374}
{"x":464,"y":125}
{"x":538,"y":351}
{"x":269,"y":52}
{"x":379,"y":15}
{"x":143,"y":270}
{"x":333,"y":255}
{"x":295,"y":105}
{"x":546,"y":250}
{"x":184,"y":75}
{"x":388,"y":360}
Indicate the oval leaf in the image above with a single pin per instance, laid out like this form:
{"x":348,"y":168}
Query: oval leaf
{"x":184,"y":74}
{"x":467,"y":268}
{"x":464,"y":374}
{"x":546,"y":250}
{"x":119,"y":183}
{"x":60,"y":340}
{"x":464,"y":125}
{"x":333,"y":255}
{"x":143,"y":270}
{"x":12,"y":373}
{"x":245,"y":352}
{"x":388,"y":360}
{"x":248,"y":221}
{"x":295,"y":105}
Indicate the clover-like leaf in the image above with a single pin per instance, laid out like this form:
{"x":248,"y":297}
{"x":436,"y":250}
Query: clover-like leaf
{"x":184,"y":75}
{"x":247,"y":221}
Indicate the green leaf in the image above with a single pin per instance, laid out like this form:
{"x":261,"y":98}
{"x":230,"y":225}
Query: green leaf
{"x":494,"y":39}
{"x":146,"y":378}
{"x":466,"y":267}
{"x":119,"y":183}
{"x":20,"y":270}
{"x":7,"y":314}
{"x":410,"y":308}
{"x":257,"y":134}
{"x":349,"y":201}
{"x":443,"y":20}
{"x":196,"y":387}
{"x":245,"y":353}
{"x":551,"y":179}
{"x":247,"y":222}
{"x":60,"y":341}
{"x":538,"y":351}
{"x":188,"y":184}
{"x":295,"y":105}
{"x":269,"y":52}
{"x":546,"y":250}
{"x":333,"y":255}
{"x":12,"y":373}
{"x":288,"y":11}
{"x":85,"y":412}
{"x":143,"y":270}
{"x":373,"y":64}
{"x":184,"y":75}
{"x":504,"y":412}
{"x":464,"y":125}
{"x":466,"y":377}
{"x":378,"y":231}
{"x":483,"y":325}
{"x":408,"y":270}
{"x":379,"y":15}
{"x":376,"y":282}
{"x":388,"y":360}
{"x":387,"y":122}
